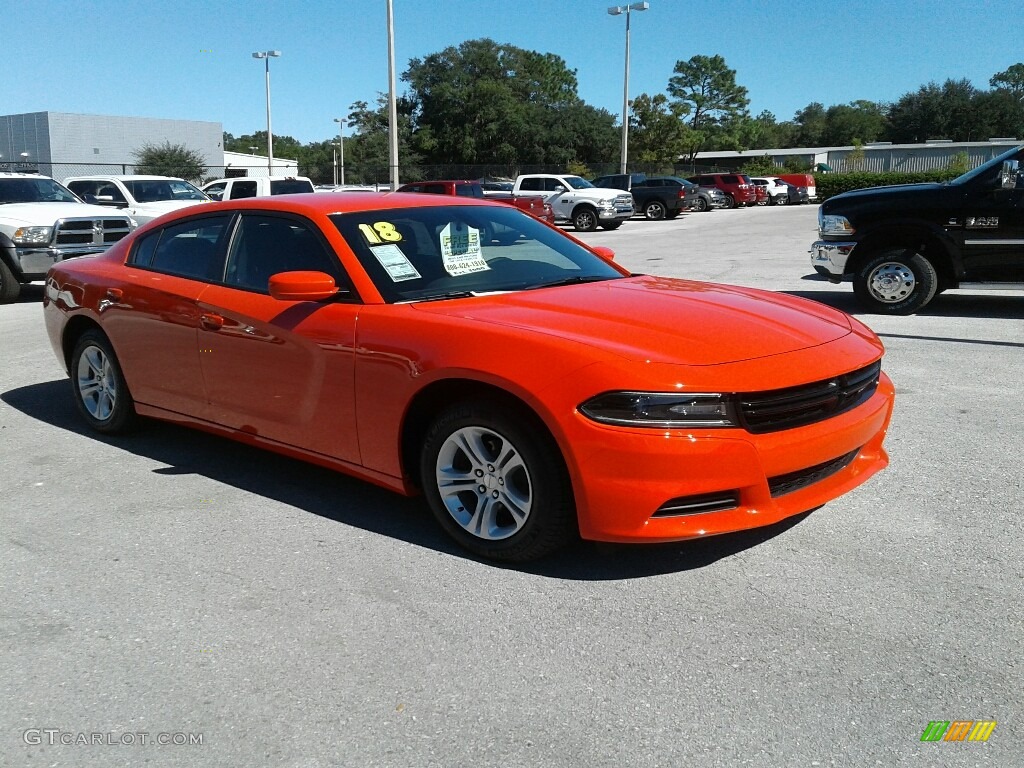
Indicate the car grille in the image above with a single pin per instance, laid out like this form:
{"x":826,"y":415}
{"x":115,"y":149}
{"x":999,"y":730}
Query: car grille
{"x":794,"y":481}
{"x":796,"y":406}
{"x":94,"y":232}
{"x":623,"y":202}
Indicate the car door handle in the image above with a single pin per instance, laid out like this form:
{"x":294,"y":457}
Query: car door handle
{"x":211,"y":322}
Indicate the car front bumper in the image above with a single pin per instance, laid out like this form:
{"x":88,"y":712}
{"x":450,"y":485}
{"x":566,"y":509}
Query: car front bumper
{"x":35,"y":261}
{"x":829,"y":258}
{"x":651,"y":485}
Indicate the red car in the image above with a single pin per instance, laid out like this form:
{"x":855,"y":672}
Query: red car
{"x":737,"y":187}
{"x":531,"y":389}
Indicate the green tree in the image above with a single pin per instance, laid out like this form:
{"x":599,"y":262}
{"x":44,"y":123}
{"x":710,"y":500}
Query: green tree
{"x":367,"y":153}
{"x":760,"y":166}
{"x":810,"y":123}
{"x":1012,"y":81}
{"x":864,"y":120}
{"x":658,"y":131}
{"x":855,"y":160}
{"x":708,"y":89}
{"x":169,"y":159}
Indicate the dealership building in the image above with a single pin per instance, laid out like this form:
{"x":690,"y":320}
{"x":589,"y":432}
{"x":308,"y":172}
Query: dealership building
{"x":63,"y":144}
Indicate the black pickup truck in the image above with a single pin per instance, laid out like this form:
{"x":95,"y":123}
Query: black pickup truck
{"x":657,"y":197}
{"x":902,"y":245}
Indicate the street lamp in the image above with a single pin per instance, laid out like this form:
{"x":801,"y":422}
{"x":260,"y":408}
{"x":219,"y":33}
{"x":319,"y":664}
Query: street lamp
{"x":341,"y":146}
{"x":266,"y":56}
{"x":615,"y":11}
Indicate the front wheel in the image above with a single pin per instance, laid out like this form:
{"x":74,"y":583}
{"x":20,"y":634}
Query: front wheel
{"x":496,"y":483}
{"x":9,"y":285}
{"x":654,"y":210}
{"x":896,"y":282}
{"x":702,"y":204}
{"x":584,"y":220}
{"x":101,"y":393}
{"x":731,"y":201}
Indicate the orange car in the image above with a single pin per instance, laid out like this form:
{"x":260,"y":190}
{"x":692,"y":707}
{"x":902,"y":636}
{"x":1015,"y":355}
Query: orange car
{"x":528,"y":386}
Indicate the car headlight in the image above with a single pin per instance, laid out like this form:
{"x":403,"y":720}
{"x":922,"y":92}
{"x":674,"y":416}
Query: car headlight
{"x":606,"y":205}
{"x":32,"y":235}
{"x":834,"y":225}
{"x":661,"y":409}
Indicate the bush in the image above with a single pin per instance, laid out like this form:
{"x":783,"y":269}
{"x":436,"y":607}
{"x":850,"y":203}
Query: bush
{"x":831,"y":184}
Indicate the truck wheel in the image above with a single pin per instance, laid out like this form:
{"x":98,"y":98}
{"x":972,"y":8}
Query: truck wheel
{"x":610,"y":225}
{"x":9,"y":285}
{"x":897,"y":281}
{"x":654,"y":210}
{"x":702,"y":204}
{"x":495,"y":484}
{"x":584,"y":219}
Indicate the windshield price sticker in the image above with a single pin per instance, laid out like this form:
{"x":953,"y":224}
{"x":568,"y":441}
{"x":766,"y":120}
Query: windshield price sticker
{"x":460,"y":250}
{"x":395,"y":262}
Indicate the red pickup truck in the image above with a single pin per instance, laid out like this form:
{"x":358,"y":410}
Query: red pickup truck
{"x":535,"y":206}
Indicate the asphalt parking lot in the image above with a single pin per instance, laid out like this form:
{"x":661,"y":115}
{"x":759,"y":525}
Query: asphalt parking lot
{"x":172,"y":583}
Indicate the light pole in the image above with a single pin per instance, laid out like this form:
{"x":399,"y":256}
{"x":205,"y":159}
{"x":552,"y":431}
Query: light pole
{"x":615,"y":11}
{"x":392,"y":104}
{"x":266,"y":56}
{"x":341,"y":146}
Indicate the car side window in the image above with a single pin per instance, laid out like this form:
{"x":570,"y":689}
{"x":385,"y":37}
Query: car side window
{"x":189,"y":249}
{"x":215,"y":191}
{"x":242,"y":189}
{"x":264,"y":245}
{"x":552,"y":185}
{"x":434,"y":189}
{"x":83,"y":188}
{"x":532,"y":185}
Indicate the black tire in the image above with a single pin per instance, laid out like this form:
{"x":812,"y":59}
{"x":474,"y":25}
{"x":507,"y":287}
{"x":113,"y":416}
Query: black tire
{"x":584,"y":219}
{"x":702,"y":205}
{"x":9,"y":285}
{"x":100,"y":391}
{"x":465,"y":443}
{"x":610,"y":225}
{"x":732,"y":201}
{"x":896,"y":281}
{"x":654,"y":210}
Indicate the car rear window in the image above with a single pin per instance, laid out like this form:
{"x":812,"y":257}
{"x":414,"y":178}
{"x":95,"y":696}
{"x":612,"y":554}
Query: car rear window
{"x":290,"y":186}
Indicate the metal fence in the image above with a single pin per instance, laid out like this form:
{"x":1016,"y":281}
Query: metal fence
{"x":369,"y":173}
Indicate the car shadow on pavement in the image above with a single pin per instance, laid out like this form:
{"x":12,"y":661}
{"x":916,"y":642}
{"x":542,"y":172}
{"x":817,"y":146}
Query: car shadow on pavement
{"x":30,"y":294}
{"x":360,"y":504}
{"x":958,"y":303}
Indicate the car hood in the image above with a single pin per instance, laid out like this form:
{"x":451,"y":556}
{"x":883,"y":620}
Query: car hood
{"x":45,"y":214}
{"x":661,"y":320}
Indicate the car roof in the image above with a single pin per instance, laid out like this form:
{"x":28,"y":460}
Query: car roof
{"x":130,"y":177}
{"x":326,"y":203}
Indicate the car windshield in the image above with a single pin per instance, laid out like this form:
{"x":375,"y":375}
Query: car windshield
{"x":418,"y":254}
{"x":156,"y":190}
{"x":577,"y":183}
{"x":40,"y":190}
{"x":992,"y":167}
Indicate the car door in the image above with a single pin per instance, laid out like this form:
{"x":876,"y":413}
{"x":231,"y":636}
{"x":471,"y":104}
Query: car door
{"x":993,"y":229}
{"x":157,"y":337}
{"x":280,"y":370}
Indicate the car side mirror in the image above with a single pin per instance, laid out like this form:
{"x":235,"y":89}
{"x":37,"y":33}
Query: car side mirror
{"x":302,"y":286}
{"x":559,"y":189}
{"x":1009,"y":175}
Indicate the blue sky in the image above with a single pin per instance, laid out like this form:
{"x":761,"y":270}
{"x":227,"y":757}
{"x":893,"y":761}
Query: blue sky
{"x":192,"y":60}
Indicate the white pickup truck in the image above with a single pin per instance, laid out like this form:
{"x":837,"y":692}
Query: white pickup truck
{"x":42,"y":223}
{"x":257,"y":186}
{"x":141,"y":197}
{"x":576,"y":200}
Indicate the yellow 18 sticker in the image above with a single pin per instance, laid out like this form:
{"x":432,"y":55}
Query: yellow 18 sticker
{"x":380,"y":232}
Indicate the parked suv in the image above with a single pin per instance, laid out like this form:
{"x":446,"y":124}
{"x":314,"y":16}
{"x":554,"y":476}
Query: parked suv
{"x":777,"y":190}
{"x":141,"y":197}
{"x":257,"y":186}
{"x":738,"y":188}
{"x":657,"y":198}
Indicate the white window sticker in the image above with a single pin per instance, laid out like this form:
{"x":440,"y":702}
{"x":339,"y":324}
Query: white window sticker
{"x":398,"y":267}
{"x":460,"y":250}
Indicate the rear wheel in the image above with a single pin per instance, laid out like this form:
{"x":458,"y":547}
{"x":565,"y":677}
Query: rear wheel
{"x":731,"y":201}
{"x":496,"y":483}
{"x":101,"y":393}
{"x":9,"y":285}
{"x":702,"y":204}
{"x":654,"y":210}
{"x":584,"y":219}
{"x":898,"y":281}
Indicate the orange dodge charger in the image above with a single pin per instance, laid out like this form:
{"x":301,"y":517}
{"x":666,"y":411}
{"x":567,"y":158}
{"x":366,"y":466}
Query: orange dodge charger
{"x":530,"y":388}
